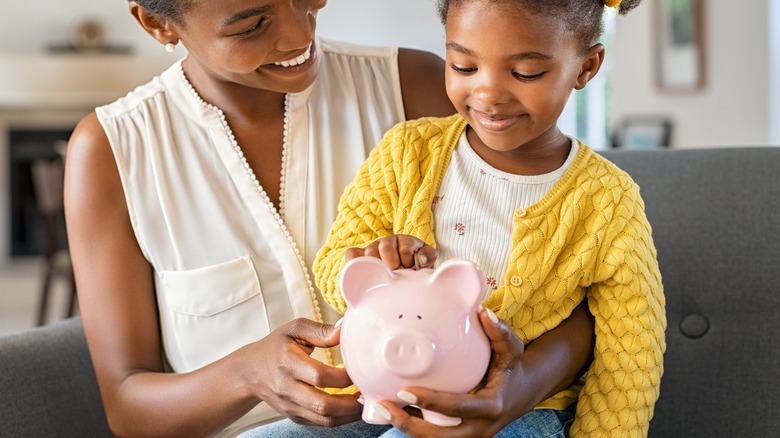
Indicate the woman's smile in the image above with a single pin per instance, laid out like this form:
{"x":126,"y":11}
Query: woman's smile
{"x":300,"y":59}
{"x":296,"y":64}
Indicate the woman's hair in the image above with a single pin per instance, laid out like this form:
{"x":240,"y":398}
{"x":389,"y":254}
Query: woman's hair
{"x":583,"y":17}
{"x":170,"y":9}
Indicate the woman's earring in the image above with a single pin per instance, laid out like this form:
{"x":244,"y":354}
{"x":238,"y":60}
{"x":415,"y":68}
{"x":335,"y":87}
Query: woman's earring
{"x":170,"y":47}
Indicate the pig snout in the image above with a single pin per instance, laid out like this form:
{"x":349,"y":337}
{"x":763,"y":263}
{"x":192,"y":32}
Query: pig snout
{"x":408,"y":354}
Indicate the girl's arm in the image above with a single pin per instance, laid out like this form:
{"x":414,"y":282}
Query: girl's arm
{"x":117,"y":300}
{"x":630,"y":323}
{"x":364,"y":215}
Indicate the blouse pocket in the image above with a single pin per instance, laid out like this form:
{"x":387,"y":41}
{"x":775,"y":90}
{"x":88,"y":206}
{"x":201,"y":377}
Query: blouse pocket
{"x":209,"y":312}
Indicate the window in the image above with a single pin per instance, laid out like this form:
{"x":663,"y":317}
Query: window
{"x":587,"y":112}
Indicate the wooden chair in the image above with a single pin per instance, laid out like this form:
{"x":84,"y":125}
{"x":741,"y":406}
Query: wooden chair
{"x":48,"y":183}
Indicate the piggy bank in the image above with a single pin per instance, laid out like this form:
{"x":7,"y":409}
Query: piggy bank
{"x":408,"y":328}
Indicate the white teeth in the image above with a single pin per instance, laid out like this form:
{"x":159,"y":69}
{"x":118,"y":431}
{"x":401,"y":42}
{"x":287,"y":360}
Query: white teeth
{"x":300,"y":59}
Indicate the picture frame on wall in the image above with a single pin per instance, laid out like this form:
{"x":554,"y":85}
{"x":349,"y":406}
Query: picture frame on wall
{"x":680,"y":45}
{"x":643,"y":132}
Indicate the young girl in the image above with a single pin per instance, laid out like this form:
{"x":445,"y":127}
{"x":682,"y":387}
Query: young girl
{"x":550,"y":222}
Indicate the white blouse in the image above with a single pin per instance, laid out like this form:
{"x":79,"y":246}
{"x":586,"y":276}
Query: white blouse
{"x":229,"y":268}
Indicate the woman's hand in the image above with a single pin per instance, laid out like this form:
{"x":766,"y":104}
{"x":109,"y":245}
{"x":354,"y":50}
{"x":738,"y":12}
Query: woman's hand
{"x":503,"y":398}
{"x":398,"y":250}
{"x":289,"y":378}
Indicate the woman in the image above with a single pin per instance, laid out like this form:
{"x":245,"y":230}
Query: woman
{"x":195,"y":204}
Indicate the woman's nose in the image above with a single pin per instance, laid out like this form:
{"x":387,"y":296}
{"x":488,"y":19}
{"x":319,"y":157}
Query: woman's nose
{"x":299,"y":24}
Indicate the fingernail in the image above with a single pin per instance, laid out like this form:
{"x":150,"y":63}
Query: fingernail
{"x":382,"y":411}
{"x":423,"y":260}
{"x":338,"y":323}
{"x":361,"y":400}
{"x":407,"y":397}
{"x":492,"y":316}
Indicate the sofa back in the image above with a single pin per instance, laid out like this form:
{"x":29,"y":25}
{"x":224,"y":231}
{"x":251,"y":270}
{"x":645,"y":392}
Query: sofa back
{"x":715,"y":216}
{"x":47,"y":384}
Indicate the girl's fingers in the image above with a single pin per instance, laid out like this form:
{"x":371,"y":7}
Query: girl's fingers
{"x":354,"y":252}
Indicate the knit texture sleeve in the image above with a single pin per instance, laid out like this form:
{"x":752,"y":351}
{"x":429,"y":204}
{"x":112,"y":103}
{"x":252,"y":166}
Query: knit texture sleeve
{"x":391,"y":194}
{"x":365,"y":213}
{"x":628,"y":304}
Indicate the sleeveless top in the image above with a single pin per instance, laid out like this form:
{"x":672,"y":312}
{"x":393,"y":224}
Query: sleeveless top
{"x":229,"y":268}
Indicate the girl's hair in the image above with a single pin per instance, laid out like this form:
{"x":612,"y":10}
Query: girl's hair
{"x":170,"y":9}
{"x":583,"y":17}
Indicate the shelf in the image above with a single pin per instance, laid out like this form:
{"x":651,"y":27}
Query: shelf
{"x":72,"y":80}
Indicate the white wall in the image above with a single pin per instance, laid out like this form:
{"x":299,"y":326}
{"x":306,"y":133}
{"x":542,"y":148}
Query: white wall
{"x":733,"y":108}
{"x":407,"y":23}
{"x":31,"y":25}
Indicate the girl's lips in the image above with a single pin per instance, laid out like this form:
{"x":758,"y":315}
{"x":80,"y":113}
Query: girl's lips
{"x":494,"y":122}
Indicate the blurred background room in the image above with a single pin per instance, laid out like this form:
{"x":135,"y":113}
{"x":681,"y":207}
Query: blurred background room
{"x":678,"y":74}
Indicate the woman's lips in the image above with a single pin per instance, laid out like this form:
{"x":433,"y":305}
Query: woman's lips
{"x":296,"y":64}
{"x":300,"y":59}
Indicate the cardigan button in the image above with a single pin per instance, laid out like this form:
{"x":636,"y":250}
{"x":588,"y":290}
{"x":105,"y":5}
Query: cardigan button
{"x":516,"y":280}
{"x":521,"y":213}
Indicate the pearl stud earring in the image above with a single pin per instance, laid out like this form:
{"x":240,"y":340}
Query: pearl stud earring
{"x":170,"y":47}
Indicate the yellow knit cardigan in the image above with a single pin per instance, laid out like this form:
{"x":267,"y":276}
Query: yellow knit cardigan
{"x":587,"y":237}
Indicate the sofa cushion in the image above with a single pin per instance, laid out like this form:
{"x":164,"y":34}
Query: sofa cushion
{"x":715,"y":216}
{"x":47,"y":384}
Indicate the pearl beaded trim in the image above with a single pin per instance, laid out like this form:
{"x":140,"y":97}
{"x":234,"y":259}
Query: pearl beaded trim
{"x":277,"y":214}
{"x":286,"y":135}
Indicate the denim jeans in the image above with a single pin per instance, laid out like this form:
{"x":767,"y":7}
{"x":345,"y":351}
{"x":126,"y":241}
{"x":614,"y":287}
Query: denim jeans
{"x":540,"y":423}
{"x":288,"y":429}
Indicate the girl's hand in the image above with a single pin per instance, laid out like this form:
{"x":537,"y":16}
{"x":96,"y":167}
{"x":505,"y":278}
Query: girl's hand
{"x":503,"y":398}
{"x":398,"y":250}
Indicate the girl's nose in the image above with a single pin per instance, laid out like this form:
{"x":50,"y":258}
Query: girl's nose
{"x":489,"y":89}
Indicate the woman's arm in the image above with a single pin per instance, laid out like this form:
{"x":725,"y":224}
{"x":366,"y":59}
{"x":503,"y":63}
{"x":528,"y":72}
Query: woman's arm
{"x":118,"y":308}
{"x":422,"y":84}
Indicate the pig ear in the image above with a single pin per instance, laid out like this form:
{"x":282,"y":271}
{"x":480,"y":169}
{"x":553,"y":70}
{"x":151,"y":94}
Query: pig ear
{"x":361,"y":274}
{"x":463,"y":278}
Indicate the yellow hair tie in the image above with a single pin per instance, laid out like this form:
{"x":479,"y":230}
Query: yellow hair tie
{"x":612,"y":3}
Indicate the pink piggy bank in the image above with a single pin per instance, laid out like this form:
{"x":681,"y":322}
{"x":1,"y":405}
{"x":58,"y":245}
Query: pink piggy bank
{"x":412,"y":328}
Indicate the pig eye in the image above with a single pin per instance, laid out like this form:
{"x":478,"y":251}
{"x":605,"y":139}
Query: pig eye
{"x":419,"y":317}
{"x":400,"y":316}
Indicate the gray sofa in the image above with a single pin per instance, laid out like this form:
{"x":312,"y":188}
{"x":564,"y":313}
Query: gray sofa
{"x":716,"y":222}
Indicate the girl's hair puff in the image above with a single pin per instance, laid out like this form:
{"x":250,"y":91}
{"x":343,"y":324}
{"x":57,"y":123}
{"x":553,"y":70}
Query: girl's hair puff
{"x":170,"y":9}
{"x":584,"y":18}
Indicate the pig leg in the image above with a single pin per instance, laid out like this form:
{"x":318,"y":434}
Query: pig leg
{"x":440,"y":419}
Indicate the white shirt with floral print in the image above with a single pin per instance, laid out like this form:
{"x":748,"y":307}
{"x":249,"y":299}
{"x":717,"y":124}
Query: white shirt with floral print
{"x":475,"y":205}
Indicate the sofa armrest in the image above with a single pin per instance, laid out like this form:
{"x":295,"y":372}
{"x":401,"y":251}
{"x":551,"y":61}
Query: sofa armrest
{"x":48,"y":384}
